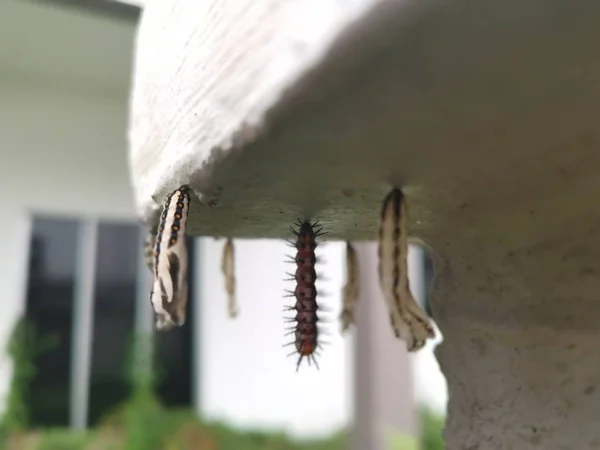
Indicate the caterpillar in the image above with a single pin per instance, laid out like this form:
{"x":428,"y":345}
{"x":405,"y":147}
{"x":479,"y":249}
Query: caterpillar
{"x":408,"y":320}
{"x":227,"y":267}
{"x":351,"y":288}
{"x":169,"y":293}
{"x":306,"y":330}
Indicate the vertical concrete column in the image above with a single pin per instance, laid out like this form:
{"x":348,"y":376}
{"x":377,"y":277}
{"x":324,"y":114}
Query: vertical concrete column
{"x":83,"y":323}
{"x":144,"y":314}
{"x":521,"y":345}
{"x":199,"y":275}
{"x":384,"y":399}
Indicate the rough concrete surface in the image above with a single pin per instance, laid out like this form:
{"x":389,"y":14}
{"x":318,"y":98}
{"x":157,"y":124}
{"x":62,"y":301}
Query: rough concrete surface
{"x":484,"y":111}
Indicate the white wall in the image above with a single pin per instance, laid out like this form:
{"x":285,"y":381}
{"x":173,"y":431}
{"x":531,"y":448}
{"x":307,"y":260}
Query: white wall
{"x":63,"y":152}
{"x":246,"y":378}
{"x":63,"y":116}
{"x":245,"y":374}
{"x":60,"y":153}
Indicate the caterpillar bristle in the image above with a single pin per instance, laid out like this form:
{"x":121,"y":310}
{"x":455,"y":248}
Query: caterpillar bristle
{"x":324,"y":332}
{"x":321,"y":276}
{"x":320,"y":308}
{"x":325,"y":309}
{"x":322,"y":293}
{"x":309,"y":358}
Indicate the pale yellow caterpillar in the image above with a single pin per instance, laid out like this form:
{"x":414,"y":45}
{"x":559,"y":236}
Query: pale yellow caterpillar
{"x":351,"y":288}
{"x":408,"y":320}
{"x":228,"y":269}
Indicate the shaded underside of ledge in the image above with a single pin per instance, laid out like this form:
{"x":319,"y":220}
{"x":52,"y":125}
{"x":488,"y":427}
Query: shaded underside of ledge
{"x":485,"y":112}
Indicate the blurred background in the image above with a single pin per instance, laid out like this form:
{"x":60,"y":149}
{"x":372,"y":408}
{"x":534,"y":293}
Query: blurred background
{"x":76,"y":315}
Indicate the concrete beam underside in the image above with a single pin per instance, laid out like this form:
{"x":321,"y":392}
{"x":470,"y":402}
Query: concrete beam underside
{"x":484,"y":111}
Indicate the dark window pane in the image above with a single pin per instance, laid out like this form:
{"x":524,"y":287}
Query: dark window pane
{"x":174,"y":351}
{"x":114,"y":311}
{"x":49,"y":309}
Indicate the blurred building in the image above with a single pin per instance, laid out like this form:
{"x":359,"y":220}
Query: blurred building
{"x":73,"y":263}
{"x":64,"y":81}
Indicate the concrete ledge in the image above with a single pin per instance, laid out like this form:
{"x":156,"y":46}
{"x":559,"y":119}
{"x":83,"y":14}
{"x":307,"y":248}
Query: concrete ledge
{"x":477,"y":107}
{"x":484,"y":111}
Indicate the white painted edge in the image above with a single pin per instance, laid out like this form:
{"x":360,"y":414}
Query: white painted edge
{"x":207,"y":72}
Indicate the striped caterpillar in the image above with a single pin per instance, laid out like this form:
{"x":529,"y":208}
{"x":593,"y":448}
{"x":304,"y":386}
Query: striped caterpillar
{"x":351,"y":288}
{"x":169,"y":294}
{"x":228,"y":269}
{"x":408,"y":320}
{"x":306,"y":331}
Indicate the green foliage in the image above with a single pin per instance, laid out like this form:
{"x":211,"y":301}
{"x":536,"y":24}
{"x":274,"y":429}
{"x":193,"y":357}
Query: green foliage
{"x":58,"y":439}
{"x":143,"y":413}
{"x":432,"y":426}
{"x":23,"y":347}
{"x":143,"y":423}
{"x":402,"y":442}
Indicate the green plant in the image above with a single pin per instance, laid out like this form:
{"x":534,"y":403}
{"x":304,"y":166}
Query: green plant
{"x":143,"y":411}
{"x":59,"y":439}
{"x":143,"y":423}
{"x":432,"y":426}
{"x":23,"y":347}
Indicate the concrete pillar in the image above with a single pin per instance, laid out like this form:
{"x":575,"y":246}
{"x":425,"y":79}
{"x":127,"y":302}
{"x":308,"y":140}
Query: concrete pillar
{"x":144,"y":314}
{"x":83,"y":323}
{"x":199,"y":274}
{"x":521,"y":339}
{"x":384,"y":407}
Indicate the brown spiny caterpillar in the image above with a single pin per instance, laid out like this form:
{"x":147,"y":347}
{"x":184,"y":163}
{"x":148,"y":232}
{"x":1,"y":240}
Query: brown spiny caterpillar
{"x":305,"y":331}
{"x":228,"y":269}
{"x":408,"y":320}
{"x":351,"y":288}
{"x":169,"y":294}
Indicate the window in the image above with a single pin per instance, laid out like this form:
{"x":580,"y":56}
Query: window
{"x":49,"y":300}
{"x":114,"y":315}
{"x":119,"y":293}
{"x":174,"y":351}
